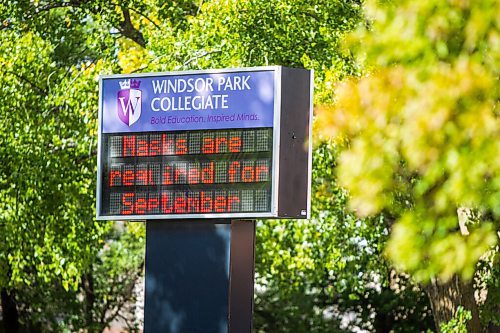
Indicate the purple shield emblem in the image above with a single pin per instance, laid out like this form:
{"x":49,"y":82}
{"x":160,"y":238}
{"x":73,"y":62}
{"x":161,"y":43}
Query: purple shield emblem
{"x":129,"y":101}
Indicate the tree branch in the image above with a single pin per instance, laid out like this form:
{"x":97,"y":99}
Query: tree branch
{"x":127,"y":28}
{"x":147,"y":18}
{"x":48,"y":7}
{"x":32,"y":84}
{"x":187,"y":62}
{"x":199,"y":7}
{"x":138,"y":12}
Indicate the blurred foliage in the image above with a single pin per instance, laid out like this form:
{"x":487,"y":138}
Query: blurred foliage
{"x":104,"y":293}
{"x":48,"y":168}
{"x":51,"y":244}
{"x":68,"y":272}
{"x":423,"y":130}
{"x":489,"y":284}
{"x":328,"y":274}
{"x":309,"y":274}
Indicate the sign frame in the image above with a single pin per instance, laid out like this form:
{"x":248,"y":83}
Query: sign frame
{"x":274,"y":212}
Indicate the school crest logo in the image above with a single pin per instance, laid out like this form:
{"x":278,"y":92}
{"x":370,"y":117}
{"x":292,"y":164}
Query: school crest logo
{"x":129,"y":101}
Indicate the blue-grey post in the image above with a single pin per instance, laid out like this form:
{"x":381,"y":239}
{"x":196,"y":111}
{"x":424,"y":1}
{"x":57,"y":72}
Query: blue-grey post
{"x":199,"y":276}
{"x":187,"y":277}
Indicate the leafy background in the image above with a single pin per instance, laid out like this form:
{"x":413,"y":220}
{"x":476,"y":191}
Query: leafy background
{"x":406,"y":133}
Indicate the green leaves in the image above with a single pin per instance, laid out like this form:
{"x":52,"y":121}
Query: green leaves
{"x":48,"y":232}
{"x":67,"y":271}
{"x":305,"y":269}
{"x":458,"y":323}
{"x":422,"y":129}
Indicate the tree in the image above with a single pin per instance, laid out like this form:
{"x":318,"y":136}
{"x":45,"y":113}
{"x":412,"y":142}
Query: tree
{"x":46,"y":171}
{"x":311,"y":274}
{"x":50,"y":241}
{"x":308,"y":273}
{"x":51,"y":53}
{"x":422,"y":128}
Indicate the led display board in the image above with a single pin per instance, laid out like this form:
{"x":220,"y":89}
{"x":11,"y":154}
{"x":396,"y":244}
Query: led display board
{"x":205,"y":144}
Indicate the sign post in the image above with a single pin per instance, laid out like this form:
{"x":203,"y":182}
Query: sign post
{"x":193,"y":154}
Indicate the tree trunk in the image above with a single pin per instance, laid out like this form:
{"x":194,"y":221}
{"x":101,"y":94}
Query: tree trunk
{"x":9,"y":312}
{"x":89,"y":299}
{"x":446,"y":297}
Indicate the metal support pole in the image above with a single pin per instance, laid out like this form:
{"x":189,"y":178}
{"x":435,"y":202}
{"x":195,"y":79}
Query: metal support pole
{"x":242,"y":271}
